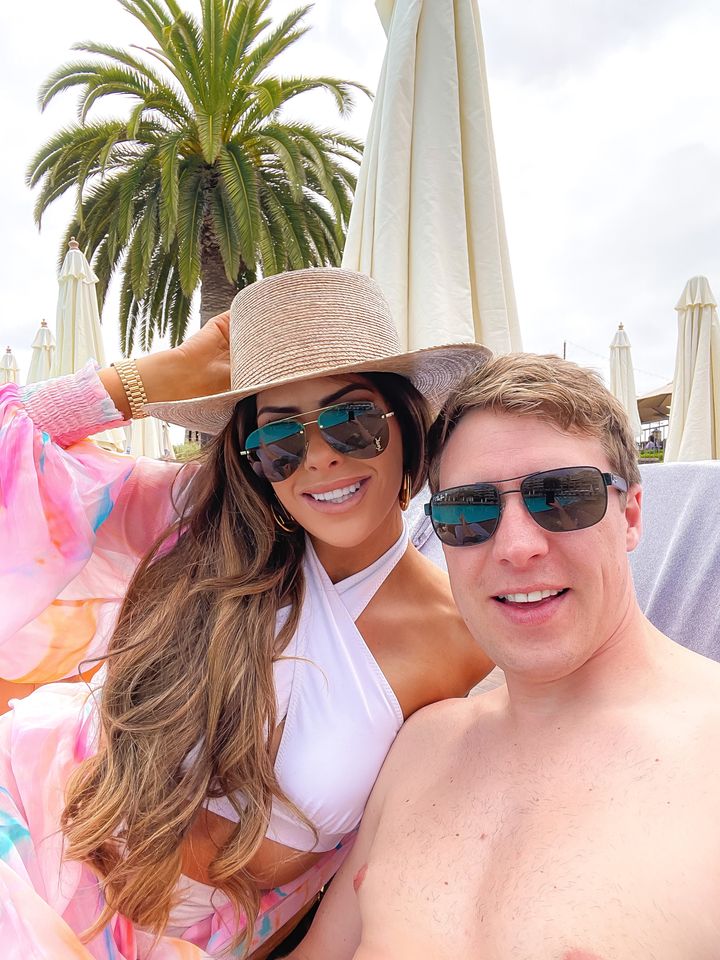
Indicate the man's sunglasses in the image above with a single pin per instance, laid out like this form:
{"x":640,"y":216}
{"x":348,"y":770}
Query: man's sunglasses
{"x":570,"y":498}
{"x":358,"y":430}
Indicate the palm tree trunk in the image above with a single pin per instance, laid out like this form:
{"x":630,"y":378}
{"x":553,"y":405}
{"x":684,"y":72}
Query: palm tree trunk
{"x":216,"y":291}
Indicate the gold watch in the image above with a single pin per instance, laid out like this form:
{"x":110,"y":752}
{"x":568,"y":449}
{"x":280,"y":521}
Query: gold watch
{"x":133,"y":386}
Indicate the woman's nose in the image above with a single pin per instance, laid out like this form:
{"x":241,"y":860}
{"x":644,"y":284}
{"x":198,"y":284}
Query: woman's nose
{"x":319,"y":454}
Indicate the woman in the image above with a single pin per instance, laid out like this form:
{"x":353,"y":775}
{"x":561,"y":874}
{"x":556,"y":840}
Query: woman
{"x":266,"y":624}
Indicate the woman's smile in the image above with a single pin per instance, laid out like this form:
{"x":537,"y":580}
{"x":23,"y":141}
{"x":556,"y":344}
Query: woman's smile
{"x":337,"y":496}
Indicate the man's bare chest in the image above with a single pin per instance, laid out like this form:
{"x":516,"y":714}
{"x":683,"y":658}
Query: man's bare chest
{"x":557,"y":864}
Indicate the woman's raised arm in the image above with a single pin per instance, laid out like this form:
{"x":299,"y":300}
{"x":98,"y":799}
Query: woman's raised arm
{"x":198,"y":367}
{"x":74,"y":519}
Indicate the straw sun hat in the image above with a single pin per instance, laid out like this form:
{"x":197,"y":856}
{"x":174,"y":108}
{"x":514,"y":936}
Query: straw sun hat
{"x":320,"y":322}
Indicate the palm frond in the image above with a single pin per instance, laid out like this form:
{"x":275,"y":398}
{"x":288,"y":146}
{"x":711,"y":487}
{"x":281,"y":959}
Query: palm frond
{"x":162,"y":273}
{"x":178,"y":314}
{"x":190,"y":217}
{"x":176,"y":34}
{"x":142,"y":247}
{"x":342,"y":91}
{"x":123,"y":57}
{"x":74,"y":74}
{"x":183,"y":50}
{"x":238,"y":33}
{"x":240,"y":180}
{"x":213,"y":47}
{"x":150,"y":14}
{"x":71,"y":142}
{"x":225,"y":230}
{"x":210,"y":134}
{"x":169,"y":160}
{"x":283,"y":218}
{"x":273,"y":142}
{"x":284,"y":35}
{"x":128,"y":313}
{"x":133,"y":183}
{"x":267,"y":247}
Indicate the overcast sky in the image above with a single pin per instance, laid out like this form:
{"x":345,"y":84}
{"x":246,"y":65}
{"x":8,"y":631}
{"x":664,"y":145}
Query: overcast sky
{"x":606,"y":118}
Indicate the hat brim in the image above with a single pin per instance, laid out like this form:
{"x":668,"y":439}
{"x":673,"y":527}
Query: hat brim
{"x":434,"y":371}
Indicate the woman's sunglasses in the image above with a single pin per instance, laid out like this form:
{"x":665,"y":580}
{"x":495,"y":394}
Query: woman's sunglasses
{"x":571,"y":498}
{"x":358,"y":430}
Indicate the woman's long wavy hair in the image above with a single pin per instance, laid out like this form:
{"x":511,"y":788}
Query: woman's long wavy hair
{"x":188,"y":708}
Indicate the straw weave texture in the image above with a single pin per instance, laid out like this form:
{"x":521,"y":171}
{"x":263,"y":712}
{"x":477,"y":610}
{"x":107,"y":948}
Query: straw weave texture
{"x":291,"y":325}
{"x":317,"y":322}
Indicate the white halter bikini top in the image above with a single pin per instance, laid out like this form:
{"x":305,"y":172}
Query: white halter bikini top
{"x":341,"y":717}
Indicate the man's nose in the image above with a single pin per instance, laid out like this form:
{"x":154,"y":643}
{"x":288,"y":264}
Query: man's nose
{"x":518,"y":539}
{"x":320,"y":455}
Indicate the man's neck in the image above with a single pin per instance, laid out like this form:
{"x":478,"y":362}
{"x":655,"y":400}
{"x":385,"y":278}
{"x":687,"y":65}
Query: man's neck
{"x":622,"y":670}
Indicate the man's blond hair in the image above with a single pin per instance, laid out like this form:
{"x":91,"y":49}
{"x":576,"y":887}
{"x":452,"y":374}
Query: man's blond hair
{"x":557,"y":391}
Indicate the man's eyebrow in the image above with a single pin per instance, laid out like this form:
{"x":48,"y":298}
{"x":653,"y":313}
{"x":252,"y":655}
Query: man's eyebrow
{"x":325,"y":402}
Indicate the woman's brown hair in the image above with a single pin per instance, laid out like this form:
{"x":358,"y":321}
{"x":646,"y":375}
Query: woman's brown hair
{"x":188,"y":708}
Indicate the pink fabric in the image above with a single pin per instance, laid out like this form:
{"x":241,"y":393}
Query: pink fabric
{"x":47,"y":902}
{"x":78,"y":518}
{"x":71,"y":408}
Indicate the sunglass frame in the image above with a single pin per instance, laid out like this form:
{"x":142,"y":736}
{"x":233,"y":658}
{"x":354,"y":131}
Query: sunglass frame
{"x":609,"y":480}
{"x":370,"y":407}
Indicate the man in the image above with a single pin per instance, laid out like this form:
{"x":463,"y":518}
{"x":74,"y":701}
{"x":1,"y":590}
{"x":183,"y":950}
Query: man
{"x":572,"y":815}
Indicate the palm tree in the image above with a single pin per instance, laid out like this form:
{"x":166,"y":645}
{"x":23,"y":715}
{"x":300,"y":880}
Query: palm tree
{"x":204,"y":182}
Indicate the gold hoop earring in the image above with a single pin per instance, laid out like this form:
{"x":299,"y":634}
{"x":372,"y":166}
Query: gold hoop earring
{"x":405,"y":492}
{"x":283,"y":519}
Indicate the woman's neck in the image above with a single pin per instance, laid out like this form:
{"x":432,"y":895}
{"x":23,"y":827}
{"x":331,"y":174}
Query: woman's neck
{"x":342,"y":562}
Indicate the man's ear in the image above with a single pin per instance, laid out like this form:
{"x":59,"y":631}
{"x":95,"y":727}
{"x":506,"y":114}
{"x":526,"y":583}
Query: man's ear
{"x":633,"y":516}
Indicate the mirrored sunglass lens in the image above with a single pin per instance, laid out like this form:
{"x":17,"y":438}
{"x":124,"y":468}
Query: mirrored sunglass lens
{"x":357,"y":430}
{"x":277,"y":449}
{"x":464,"y":517}
{"x":567,"y":499}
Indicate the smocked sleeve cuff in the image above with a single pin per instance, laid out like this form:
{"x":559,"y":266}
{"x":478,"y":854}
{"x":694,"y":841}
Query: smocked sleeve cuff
{"x":72,"y":407}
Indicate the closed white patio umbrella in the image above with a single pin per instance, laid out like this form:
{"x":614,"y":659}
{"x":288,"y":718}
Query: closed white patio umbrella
{"x":43,"y":354}
{"x":622,"y":378}
{"x":694,"y":431}
{"x":150,"y":437}
{"x":427,"y":220}
{"x":9,"y":369}
{"x":79,"y":338}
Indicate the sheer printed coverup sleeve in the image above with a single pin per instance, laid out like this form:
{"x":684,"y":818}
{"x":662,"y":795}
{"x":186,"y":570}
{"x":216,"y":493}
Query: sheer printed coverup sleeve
{"x":74,"y":522}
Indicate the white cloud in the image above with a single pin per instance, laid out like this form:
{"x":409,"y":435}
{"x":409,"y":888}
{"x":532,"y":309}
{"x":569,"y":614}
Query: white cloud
{"x":608,"y":183}
{"x":546,"y":41}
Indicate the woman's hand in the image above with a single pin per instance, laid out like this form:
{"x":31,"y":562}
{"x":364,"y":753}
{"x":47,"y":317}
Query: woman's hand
{"x":198,"y":367}
{"x":206,"y":357}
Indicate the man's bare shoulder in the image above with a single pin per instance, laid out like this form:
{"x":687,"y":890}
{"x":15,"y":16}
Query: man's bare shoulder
{"x":442,"y":724}
{"x":701,"y":695}
{"x":695,"y":676}
{"x":707,"y":669}
{"x":687,"y":705}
